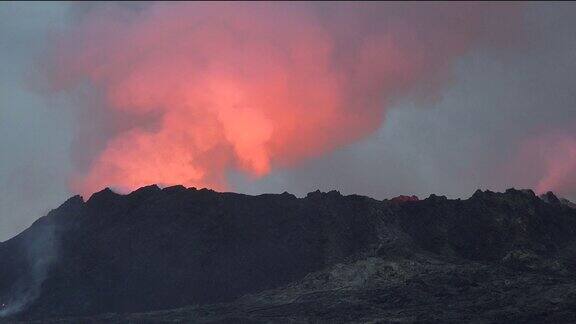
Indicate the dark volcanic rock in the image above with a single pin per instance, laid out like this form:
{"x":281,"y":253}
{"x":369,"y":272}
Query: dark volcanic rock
{"x":496,"y":257}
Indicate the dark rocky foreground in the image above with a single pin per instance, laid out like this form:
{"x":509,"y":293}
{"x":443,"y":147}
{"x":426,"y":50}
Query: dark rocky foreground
{"x":189,"y":255}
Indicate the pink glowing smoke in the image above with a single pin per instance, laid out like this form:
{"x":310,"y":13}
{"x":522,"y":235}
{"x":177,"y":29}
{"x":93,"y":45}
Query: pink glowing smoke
{"x":552,"y":158}
{"x":254,"y":86}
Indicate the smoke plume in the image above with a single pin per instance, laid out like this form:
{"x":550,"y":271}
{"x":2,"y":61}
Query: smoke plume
{"x":40,"y":249}
{"x":552,"y":158}
{"x":188,"y":92}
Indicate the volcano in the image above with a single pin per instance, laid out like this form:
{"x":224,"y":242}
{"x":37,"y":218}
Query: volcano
{"x":189,"y":255}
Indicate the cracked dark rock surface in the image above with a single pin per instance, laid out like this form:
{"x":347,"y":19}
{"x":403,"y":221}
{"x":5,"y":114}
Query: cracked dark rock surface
{"x":186,"y":255}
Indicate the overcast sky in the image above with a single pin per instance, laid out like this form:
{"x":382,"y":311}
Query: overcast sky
{"x":472,"y":136}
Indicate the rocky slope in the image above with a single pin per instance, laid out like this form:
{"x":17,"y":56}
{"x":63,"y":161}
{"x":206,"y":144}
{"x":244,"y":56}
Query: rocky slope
{"x":178,"y":254}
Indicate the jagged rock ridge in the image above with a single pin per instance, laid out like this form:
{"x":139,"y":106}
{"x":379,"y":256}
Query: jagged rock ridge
{"x":271,"y":257}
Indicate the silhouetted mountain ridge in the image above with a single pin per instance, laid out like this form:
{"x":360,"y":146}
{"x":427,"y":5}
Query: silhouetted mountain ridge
{"x":257,"y":258}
